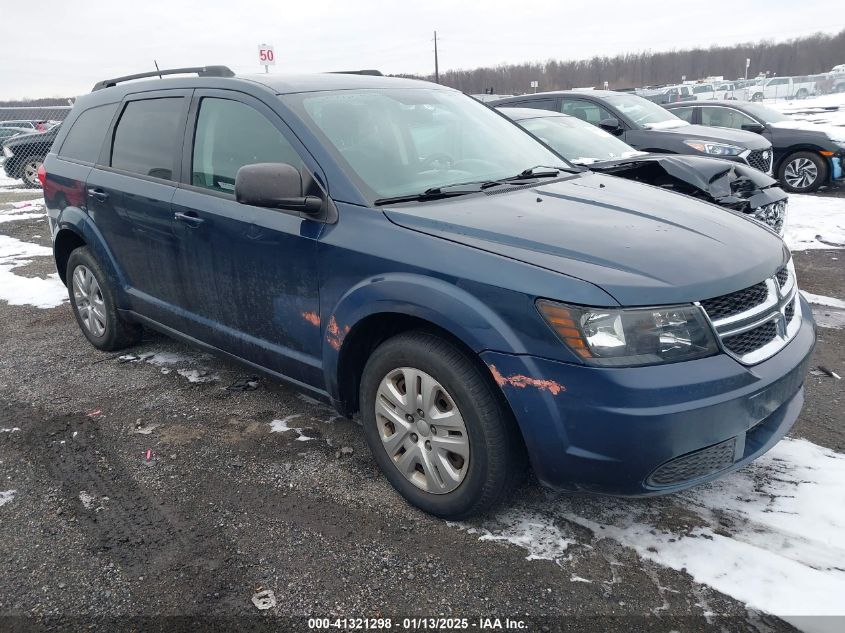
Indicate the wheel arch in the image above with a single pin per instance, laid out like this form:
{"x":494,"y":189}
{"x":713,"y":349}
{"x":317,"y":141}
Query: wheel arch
{"x":74,"y":229}
{"x":377,"y":309}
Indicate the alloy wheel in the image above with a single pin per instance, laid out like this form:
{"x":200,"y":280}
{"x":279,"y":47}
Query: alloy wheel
{"x":30,"y":173}
{"x":422,"y":430}
{"x":88,"y":298}
{"x":800,"y":173}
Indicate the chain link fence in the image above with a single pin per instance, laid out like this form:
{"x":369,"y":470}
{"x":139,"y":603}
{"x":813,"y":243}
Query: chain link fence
{"x":26,"y":134}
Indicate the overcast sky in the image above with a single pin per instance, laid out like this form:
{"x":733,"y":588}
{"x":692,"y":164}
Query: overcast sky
{"x":62,"y":47}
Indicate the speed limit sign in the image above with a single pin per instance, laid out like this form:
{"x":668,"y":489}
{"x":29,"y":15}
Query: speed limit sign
{"x":266,"y":56}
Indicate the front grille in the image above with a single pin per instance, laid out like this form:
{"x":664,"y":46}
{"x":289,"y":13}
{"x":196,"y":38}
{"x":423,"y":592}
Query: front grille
{"x":736,"y":302}
{"x":755,"y":323}
{"x":761,"y":159}
{"x":789,"y":312}
{"x":700,"y":463}
{"x":742,"y":344}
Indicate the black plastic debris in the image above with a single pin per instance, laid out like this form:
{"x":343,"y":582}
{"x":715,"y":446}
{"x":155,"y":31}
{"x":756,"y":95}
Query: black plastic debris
{"x":244,"y":383}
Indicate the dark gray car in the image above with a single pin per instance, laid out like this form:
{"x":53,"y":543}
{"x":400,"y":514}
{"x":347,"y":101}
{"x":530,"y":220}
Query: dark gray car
{"x":648,"y":127}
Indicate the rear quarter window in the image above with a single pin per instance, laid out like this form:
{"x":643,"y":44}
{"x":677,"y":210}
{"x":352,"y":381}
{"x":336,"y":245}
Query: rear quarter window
{"x":85,"y":138}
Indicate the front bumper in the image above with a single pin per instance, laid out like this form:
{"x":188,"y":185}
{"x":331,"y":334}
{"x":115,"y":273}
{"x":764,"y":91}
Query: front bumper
{"x":613,"y":430}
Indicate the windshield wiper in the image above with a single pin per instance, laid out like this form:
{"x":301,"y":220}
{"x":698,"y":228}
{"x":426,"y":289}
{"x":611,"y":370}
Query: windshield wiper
{"x":465,"y":188}
{"x":437,"y":193}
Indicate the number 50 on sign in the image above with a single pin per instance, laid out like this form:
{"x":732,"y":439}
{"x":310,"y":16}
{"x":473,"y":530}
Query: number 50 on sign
{"x":266,"y":56}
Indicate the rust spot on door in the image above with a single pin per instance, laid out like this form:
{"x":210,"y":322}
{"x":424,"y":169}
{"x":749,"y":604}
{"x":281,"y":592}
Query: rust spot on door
{"x":312,"y":317}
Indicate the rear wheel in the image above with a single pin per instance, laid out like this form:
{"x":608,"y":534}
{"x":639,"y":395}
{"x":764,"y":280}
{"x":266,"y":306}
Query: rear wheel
{"x":93,"y":304}
{"x":803,"y":172}
{"x":758,"y":96}
{"x":441,"y":434}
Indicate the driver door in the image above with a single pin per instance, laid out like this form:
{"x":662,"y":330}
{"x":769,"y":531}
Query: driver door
{"x":252,"y":270}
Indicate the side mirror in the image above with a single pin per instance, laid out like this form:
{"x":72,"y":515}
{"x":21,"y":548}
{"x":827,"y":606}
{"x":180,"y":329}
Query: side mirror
{"x":275,"y":186}
{"x":611,"y":125}
{"x":757,"y":128}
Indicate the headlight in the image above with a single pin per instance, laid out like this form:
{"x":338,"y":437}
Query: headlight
{"x":714,"y":149}
{"x":636,"y":336}
{"x":7,"y":152}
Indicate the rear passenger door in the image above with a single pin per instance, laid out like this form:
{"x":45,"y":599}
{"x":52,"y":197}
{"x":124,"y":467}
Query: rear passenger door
{"x":253,"y":271}
{"x":129,"y":193}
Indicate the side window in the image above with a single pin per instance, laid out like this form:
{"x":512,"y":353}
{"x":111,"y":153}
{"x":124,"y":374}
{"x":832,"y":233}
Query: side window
{"x":725,"y":117}
{"x":85,"y":138}
{"x":537,"y":104}
{"x":148,"y":136}
{"x":585,"y":110}
{"x":683,"y":113}
{"x":230,"y":135}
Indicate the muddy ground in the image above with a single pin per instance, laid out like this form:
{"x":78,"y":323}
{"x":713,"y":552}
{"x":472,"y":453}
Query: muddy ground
{"x":145,"y":501}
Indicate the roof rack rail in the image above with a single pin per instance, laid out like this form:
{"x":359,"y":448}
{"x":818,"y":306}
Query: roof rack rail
{"x":370,"y":71}
{"x":201,"y":71}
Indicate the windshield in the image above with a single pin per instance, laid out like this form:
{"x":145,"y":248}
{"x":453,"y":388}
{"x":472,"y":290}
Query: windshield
{"x":404,"y":141}
{"x":765,"y":113}
{"x":644,"y":113}
{"x":577,"y":140}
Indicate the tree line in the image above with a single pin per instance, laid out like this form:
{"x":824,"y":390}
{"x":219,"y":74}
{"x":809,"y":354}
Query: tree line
{"x":800,"y":56}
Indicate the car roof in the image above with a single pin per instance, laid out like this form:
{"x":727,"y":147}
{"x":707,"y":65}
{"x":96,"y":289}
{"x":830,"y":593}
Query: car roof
{"x":278,"y":83}
{"x":568,"y":93}
{"x":691,"y":104}
{"x":521,"y":114}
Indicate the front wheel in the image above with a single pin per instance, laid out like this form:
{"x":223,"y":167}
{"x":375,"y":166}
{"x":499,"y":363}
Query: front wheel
{"x":441,"y":434}
{"x":758,"y":97}
{"x":803,"y":172}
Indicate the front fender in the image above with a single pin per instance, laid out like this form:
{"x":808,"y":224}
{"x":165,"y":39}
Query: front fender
{"x":77,"y":221}
{"x":446,"y":305}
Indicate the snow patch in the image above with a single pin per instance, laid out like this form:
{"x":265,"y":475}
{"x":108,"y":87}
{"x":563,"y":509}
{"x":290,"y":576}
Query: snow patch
{"x":6,"y":496}
{"x":87,"y":499}
{"x":821,"y":300}
{"x":35,"y":291}
{"x":281,"y":426}
{"x":14,"y":429}
{"x":198,"y":375}
{"x":815,"y":222}
{"x":771,"y":535}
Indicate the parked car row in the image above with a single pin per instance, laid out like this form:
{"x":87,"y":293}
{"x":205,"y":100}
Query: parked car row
{"x":802,"y":156}
{"x":406,"y":253}
{"x":806,"y":156}
{"x":24,"y":153}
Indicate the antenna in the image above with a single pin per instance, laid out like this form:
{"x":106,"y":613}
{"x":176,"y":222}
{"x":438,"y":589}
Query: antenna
{"x":158,"y":70}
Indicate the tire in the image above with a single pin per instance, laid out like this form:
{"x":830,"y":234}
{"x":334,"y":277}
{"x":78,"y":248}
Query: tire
{"x":757,"y":96}
{"x":29,"y":172}
{"x":104,"y":328}
{"x":495,"y":453}
{"x":802,"y":172}
{"x":802,"y":94}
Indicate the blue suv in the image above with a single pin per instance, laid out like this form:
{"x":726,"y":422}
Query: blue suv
{"x":402,"y":251}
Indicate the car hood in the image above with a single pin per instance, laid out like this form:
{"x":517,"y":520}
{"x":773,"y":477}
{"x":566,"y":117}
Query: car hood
{"x":725,"y":182}
{"x":719,"y":134}
{"x":640,"y":244}
{"x":825,"y":131}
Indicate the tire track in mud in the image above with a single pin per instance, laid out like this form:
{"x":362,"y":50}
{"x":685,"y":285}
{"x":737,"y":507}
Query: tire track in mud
{"x":143,"y":535}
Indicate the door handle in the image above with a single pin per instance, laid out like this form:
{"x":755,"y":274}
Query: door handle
{"x":98,"y":194}
{"x":189,"y":217}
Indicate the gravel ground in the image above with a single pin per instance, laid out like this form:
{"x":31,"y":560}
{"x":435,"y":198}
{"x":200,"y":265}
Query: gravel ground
{"x":144,"y":500}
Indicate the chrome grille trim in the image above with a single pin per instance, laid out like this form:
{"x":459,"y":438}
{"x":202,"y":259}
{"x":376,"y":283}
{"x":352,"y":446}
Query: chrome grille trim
{"x":781,"y":307}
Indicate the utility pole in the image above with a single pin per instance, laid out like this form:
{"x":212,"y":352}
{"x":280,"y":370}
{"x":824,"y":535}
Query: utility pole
{"x":436,"y":67}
